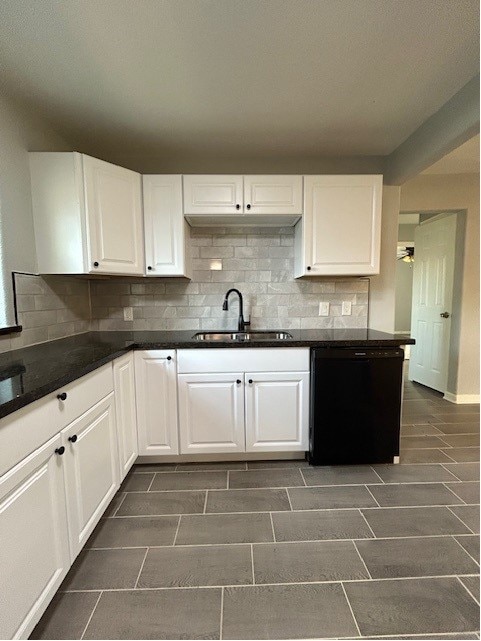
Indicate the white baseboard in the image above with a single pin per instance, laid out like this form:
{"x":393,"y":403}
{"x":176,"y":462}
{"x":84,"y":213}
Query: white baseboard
{"x":461,"y":399}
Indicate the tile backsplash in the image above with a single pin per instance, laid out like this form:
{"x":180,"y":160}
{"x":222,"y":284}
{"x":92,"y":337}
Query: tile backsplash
{"x":257,"y":261}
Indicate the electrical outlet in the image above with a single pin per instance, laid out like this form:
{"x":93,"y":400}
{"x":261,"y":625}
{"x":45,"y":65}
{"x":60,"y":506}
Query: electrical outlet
{"x":128,"y":314}
{"x":324,"y":308}
{"x":346,"y":307}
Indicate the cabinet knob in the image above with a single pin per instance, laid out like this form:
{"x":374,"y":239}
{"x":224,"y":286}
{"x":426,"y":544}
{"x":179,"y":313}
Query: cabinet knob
{"x":96,"y":264}
{"x":237,"y":206}
{"x":169,"y":358}
{"x":248,"y":207}
{"x":73,"y":439}
{"x":238,"y":381}
{"x":60,"y":450}
{"x":62,"y":396}
{"x":308,"y":268}
{"x":250,"y":381}
{"x":149,"y":268}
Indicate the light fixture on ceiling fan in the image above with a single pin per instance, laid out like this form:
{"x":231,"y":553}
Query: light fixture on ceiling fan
{"x":405,"y":254}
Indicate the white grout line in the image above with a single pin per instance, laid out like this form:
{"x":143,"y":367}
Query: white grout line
{"x":289,"y":499}
{"x":378,"y":475}
{"x":221,"y":612}
{"x":460,"y":519}
{"x":119,"y":505}
{"x":258,"y":585}
{"x":177,"y":530}
{"x":273,"y":530}
{"x":449,"y":457}
{"x":360,"y":556}
{"x":141,"y":568}
{"x":205,"y":501}
{"x":91,"y":615}
{"x":151,"y":482}
{"x":375,"y":499}
{"x":463,"y":502}
{"x":464,"y":549}
{"x":350,"y":608}
{"x":303,"y":478}
{"x":228,"y":479}
{"x":252,"y":564}
{"x":468,"y":591}
{"x":367,"y":523}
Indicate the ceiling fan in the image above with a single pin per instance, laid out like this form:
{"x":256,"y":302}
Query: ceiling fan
{"x":406,"y":254}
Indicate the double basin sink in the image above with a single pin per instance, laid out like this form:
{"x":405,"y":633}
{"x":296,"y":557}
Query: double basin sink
{"x":242,"y":336}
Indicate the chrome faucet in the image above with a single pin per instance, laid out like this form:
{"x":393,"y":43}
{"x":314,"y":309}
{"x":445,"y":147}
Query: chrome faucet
{"x":241,"y":324}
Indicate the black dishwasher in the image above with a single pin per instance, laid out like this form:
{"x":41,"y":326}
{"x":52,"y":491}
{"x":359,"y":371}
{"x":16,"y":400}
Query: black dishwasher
{"x":355,"y":408}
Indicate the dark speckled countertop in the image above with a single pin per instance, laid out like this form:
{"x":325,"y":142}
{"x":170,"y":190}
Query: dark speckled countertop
{"x":33,"y":372}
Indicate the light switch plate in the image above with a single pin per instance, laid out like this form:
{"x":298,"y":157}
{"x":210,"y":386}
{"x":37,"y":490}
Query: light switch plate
{"x":128,"y":314}
{"x":346,"y":307}
{"x":324,"y":308}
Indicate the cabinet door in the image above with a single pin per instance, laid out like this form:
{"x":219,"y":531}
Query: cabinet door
{"x":34,"y":552}
{"x":125,"y":412}
{"x":114,"y":218}
{"x":213,"y":195}
{"x":273,"y":194}
{"x":211,"y":413}
{"x":92,"y":469}
{"x":166,"y":232}
{"x":341,"y":225}
{"x":277,"y":411}
{"x":156,"y":393}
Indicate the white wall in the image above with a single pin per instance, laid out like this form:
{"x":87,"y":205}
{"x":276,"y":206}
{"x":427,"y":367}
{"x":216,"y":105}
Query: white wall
{"x":20,"y":132}
{"x":456,"y":192}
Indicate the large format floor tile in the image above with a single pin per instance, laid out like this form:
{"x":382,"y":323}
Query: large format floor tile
{"x":286,"y":463}
{"x":307,"y":562}
{"x":197,"y":566}
{"x":414,"y":494}
{"x":104,"y":569}
{"x":421,"y":442}
{"x":189,"y":481}
{"x":318,"y":498}
{"x":225,"y":528}
{"x":157,"y":503}
{"x":266,"y":478}
{"x":340,"y":475}
{"x":67,"y":616}
{"x":458,"y":428}
{"x":247,"y":501}
{"x":470,"y":544}
{"x":414,"y":606}
{"x":395,"y":558}
{"x":469,"y":514}
{"x":413,"y":473}
{"x":464,"y":471}
{"x":463,"y":454}
{"x":425,"y":456}
{"x":468,"y":491}
{"x":137,"y":482}
{"x":416,"y":521}
{"x":287,"y":612}
{"x":128,"y":532}
{"x":157,"y":614}
{"x":472,"y":584}
{"x":318,"y":525}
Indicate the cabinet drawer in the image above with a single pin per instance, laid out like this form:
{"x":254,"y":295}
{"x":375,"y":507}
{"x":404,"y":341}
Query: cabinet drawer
{"x":191,"y":361}
{"x":24,"y":431}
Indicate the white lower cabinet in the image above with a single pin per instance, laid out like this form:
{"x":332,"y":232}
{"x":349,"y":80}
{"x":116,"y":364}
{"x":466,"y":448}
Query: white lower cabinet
{"x":156,"y":398}
{"x":211,"y":413}
{"x":34,"y":550}
{"x":125,"y":412}
{"x":91,"y":469}
{"x":277,"y":411}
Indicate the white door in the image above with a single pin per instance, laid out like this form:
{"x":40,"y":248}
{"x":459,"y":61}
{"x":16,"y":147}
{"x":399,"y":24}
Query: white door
{"x":277,"y":411}
{"x":213,"y":194}
{"x":125,"y":412}
{"x":341,"y":225}
{"x":34,"y":551}
{"x":156,"y":394}
{"x":166,"y":232}
{"x":273,"y":195}
{"x":211,"y":413}
{"x":92,"y":469}
{"x":114,"y":217}
{"x":432,"y":302}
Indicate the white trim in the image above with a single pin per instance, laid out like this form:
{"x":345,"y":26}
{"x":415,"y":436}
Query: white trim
{"x":461,"y":399}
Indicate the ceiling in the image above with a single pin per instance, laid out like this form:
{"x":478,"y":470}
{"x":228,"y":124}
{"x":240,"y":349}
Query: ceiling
{"x":463,"y":160}
{"x":247,"y":77}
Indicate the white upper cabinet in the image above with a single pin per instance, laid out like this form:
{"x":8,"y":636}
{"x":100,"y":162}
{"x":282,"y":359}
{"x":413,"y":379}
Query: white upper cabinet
{"x":213,"y":194}
{"x":273,"y":195}
{"x":87,"y":215}
{"x":246,"y":200}
{"x":340,"y":232}
{"x":166,"y":232}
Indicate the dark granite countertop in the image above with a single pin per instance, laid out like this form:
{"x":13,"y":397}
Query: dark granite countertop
{"x":33,"y":372}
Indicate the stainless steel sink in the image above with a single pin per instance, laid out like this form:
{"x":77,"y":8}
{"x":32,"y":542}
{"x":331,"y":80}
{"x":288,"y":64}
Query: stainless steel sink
{"x":242,"y":336}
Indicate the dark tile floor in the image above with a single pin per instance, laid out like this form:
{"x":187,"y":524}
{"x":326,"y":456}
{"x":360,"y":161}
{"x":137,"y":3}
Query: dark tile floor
{"x":279,"y":550}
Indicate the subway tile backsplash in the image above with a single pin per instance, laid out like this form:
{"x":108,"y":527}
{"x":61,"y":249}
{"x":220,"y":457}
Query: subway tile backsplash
{"x":258,"y":261}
